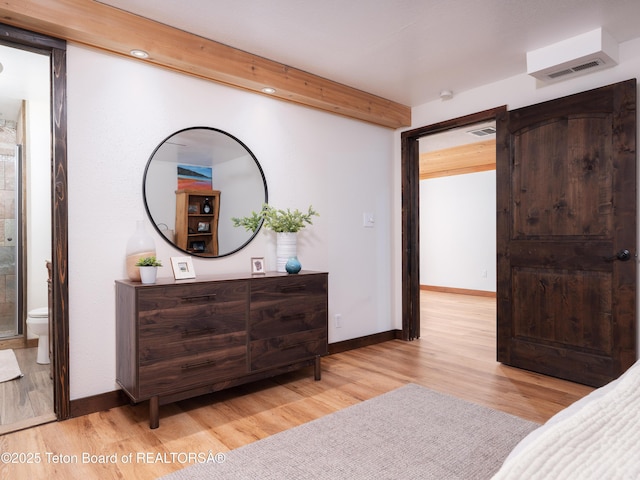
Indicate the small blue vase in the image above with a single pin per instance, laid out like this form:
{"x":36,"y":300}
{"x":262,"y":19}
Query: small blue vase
{"x":293,"y":265}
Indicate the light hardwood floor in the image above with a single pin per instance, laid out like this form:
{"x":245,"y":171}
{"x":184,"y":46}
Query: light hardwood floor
{"x":455,"y":355}
{"x":28,"y":400}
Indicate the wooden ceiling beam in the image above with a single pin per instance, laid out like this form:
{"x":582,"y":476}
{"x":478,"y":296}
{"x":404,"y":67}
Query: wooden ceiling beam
{"x":471,"y":158}
{"x":93,"y":24}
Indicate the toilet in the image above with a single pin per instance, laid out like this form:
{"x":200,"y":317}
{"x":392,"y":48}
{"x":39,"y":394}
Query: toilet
{"x":38,"y":324}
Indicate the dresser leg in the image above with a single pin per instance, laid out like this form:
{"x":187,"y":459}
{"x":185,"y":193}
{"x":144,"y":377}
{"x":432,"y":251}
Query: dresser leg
{"x":154,"y":412}
{"x":317,"y":373}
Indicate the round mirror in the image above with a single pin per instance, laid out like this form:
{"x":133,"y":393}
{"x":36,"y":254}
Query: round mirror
{"x":195,"y":182}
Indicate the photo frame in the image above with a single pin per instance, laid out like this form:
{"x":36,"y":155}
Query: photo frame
{"x":204,"y":227}
{"x":193,"y":209}
{"x":197,"y":246}
{"x":257,"y":266}
{"x":182,"y":268}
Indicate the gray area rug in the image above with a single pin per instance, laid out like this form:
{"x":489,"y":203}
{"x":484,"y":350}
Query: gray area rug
{"x":409,"y":433}
{"x":9,"y":369}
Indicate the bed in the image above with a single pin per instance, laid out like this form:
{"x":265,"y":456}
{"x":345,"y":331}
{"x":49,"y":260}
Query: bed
{"x":598,"y":437}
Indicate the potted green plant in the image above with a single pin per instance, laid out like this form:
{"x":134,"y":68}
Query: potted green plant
{"x":286,"y":223}
{"x":278,"y":220}
{"x":148,"y":269}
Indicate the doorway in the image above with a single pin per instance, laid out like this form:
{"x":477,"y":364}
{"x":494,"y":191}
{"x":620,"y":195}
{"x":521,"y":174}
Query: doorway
{"x":25,"y":236}
{"x":411,"y":213}
{"x":458,"y":210}
{"x":48,"y":211}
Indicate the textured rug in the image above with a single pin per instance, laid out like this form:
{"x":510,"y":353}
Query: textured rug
{"x":408,"y":433}
{"x":9,"y":369}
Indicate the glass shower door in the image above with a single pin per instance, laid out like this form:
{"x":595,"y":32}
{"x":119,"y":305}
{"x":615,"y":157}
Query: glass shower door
{"x":10,"y":244}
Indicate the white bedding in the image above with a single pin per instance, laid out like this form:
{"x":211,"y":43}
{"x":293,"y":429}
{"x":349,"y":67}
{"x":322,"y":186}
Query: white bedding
{"x":596,"y":438}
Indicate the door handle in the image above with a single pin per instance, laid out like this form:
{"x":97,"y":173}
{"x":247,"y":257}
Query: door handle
{"x":623,"y":255}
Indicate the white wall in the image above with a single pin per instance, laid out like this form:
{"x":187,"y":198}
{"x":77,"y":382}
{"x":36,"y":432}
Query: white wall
{"x":514,"y":92}
{"x":38,"y":199}
{"x":458,"y":231}
{"x":120,"y":109}
{"x":236,"y":202}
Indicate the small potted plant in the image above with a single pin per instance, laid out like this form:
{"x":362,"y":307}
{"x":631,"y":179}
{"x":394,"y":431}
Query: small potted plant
{"x":286,"y":223}
{"x":148,"y":269}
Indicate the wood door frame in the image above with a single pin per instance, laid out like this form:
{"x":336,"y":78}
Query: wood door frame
{"x":57,"y":50}
{"x":411,"y":213}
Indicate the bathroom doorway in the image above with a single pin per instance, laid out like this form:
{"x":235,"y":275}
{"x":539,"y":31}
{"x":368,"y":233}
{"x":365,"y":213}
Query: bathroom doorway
{"x":27,"y":384}
{"x":25,"y":185}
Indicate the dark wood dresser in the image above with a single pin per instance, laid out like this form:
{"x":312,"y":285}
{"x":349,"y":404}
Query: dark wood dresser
{"x":181,"y":338}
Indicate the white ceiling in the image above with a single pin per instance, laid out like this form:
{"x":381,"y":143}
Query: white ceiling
{"x":402,"y":50}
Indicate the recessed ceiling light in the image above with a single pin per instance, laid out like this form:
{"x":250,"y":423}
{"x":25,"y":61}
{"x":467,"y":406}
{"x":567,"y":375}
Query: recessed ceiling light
{"x":269,"y":90}
{"x":139,"y":53}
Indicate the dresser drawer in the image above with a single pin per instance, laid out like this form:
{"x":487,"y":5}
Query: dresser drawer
{"x":187,"y":372}
{"x":190,"y":324}
{"x":288,"y":349}
{"x":284,"y":319}
{"x":178,"y":297}
{"x":290,"y":288}
{"x":158,"y":349}
{"x":282,"y":308}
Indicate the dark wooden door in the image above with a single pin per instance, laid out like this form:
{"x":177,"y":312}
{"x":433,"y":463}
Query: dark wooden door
{"x":566,"y":240}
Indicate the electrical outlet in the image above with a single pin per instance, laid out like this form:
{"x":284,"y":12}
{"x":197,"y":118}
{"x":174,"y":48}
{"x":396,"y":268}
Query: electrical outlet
{"x":337,"y":319}
{"x":484,"y":274}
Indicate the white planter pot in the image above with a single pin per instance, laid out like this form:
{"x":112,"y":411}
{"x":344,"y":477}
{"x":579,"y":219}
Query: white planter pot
{"x":139,"y":245}
{"x":148,"y":274}
{"x":286,"y":247}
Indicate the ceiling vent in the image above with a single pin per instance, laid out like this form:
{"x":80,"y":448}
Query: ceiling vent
{"x":575,"y":56}
{"x":482,"y":132}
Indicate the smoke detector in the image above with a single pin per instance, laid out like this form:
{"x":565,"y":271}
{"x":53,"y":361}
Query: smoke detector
{"x":591,"y":51}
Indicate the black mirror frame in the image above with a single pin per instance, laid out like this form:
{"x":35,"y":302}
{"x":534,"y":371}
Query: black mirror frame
{"x":144,"y":190}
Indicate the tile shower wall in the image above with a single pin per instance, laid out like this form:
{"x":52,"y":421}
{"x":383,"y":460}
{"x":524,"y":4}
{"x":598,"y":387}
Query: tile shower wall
{"x":7,"y":232}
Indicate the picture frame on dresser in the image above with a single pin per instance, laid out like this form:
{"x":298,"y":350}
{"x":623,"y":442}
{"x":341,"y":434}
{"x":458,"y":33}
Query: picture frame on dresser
{"x":257,"y":266}
{"x":182,"y":268}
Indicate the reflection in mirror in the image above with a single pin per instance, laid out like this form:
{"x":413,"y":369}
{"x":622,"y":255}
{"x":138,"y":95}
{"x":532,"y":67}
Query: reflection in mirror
{"x":195,"y":182}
